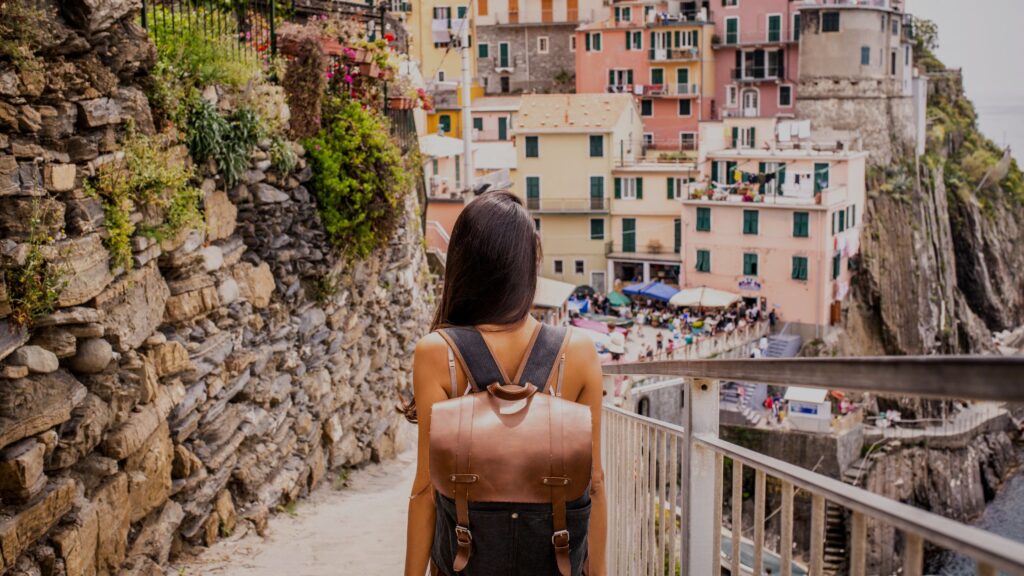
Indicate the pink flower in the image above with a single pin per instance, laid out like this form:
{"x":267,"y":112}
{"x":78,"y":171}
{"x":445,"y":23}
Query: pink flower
{"x":330,"y":75}
{"x":317,"y":147}
{"x":347,"y":79}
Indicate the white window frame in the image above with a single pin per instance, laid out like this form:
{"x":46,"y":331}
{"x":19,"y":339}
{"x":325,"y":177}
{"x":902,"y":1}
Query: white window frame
{"x":630,"y":45}
{"x":793,"y":28}
{"x":592,"y":36}
{"x":732,"y":95}
{"x":735,"y":3}
{"x":767,"y":26}
{"x":745,"y":142}
{"x":628,"y":188}
{"x":543,"y":44}
{"x":572,"y":43}
{"x":725,"y":31}
{"x":556,"y":264}
{"x":779,"y":96}
{"x":579,"y":267}
{"x":689,"y":133}
{"x":648,"y":138}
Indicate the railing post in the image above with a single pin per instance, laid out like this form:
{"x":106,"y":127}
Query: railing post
{"x":698,"y":553}
{"x":273,"y":28}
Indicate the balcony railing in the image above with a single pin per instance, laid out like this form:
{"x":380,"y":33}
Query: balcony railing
{"x":685,"y":54}
{"x":757,"y":74}
{"x":533,"y":16}
{"x":666,"y":484}
{"x":567,"y":205}
{"x":757,"y":38}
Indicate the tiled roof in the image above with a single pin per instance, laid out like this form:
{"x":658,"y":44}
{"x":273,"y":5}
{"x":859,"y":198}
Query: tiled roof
{"x":571,"y":112}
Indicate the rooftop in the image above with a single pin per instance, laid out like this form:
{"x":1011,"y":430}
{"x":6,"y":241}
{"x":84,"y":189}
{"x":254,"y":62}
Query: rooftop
{"x":496,"y":103}
{"x":570,"y":113}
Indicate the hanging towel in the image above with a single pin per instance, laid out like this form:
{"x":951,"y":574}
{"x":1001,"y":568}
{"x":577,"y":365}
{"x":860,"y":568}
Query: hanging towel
{"x":439,"y":32}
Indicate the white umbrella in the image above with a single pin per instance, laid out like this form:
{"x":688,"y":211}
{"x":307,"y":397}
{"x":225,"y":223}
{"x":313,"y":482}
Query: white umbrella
{"x":703,"y":297}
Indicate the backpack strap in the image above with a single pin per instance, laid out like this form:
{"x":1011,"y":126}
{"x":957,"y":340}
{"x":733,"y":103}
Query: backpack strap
{"x":547,"y":348}
{"x":558,"y":482}
{"x":475,"y":356}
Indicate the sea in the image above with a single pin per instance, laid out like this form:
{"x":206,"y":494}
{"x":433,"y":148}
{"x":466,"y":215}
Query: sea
{"x":1002,"y":120}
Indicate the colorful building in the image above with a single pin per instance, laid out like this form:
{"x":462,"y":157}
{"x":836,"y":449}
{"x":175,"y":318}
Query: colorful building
{"x":529,"y":46}
{"x":787,"y":242}
{"x":662,"y":54}
{"x":432,"y":25}
{"x":756,"y":57}
{"x":567,"y":146}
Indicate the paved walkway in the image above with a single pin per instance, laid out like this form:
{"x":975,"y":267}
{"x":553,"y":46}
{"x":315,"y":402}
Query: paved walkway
{"x":358,"y":529}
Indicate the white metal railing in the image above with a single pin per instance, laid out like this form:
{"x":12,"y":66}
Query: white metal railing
{"x":666,"y":485}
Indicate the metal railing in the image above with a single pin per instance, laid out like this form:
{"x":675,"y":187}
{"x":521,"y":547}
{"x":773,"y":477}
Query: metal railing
{"x":245,"y":29}
{"x":758,"y":74}
{"x":666,"y":484}
{"x":760,"y":37}
{"x":674,"y":54}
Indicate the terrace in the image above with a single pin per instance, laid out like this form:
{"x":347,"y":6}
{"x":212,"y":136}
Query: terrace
{"x":673,"y":509}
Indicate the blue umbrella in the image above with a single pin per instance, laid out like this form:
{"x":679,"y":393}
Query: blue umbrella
{"x":652,"y":290}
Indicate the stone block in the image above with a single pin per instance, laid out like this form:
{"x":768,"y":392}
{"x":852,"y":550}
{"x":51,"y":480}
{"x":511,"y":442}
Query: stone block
{"x":189,"y":305}
{"x":58,"y":122}
{"x":21,"y":217}
{"x":75,"y":542}
{"x":37,"y":359}
{"x":37,"y":403}
{"x":133,"y":307}
{"x":149,"y":474}
{"x":60,"y":177}
{"x":9,"y":182}
{"x":21,"y":527}
{"x":267,"y":194}
{"x":111,"y":501}
{"x":57,"y":340}
{"x":126,"y":439}
{"x":99,"y":112}
{"x":87,"y":264}
{"x":80,"y":435}
{"x":65,"y":316}
{"x":21,"y":470}
{"x":134,"y":105}
{"x":256,"y":283}
{"x":157,"y":534}
{"x":12,"y":337}
{"x":169,"y":358}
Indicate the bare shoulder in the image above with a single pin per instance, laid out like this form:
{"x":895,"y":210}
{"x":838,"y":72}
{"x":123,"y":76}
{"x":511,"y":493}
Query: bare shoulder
{"x":580,"y":349}
{"x":431,"y":349}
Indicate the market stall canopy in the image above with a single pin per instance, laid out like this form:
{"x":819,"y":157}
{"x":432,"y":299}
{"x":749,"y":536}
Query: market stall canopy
{"x":704,"y":297}
{"x":551,"y":293}
{"x":809,"y":395}
{"x":618,"y":299}
{"x":652,"y":290}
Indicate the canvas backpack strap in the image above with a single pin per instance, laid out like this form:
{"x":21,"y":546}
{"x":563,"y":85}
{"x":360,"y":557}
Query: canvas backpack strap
{"x":558,"y":482}
{"x":475,"y":356}
{"x":546,"y":349}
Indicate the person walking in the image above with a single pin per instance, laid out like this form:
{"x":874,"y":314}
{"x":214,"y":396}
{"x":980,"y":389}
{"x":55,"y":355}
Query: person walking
{"x":490,"y":514}
{"x":659,"y":344}
{"x":763,"y":345}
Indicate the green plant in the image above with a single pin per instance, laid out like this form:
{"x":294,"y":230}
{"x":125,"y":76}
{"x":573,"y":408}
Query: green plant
{"x":304,"y":84}
{"x":33,"y":287}
{"x":359,"y":179}
{"x":228,"y":140}
{"x":23,"y":28}
{"x":204,"y":128}
{"x":282,"y":157}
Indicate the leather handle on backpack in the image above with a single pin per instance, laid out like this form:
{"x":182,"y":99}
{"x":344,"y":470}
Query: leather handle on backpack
{"x":511,"y":392}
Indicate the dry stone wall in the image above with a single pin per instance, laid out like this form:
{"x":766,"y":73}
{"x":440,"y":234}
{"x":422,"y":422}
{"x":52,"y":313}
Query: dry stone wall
{"x":222,"y":376}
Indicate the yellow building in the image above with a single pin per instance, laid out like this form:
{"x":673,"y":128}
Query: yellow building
{"x":567,"y":146}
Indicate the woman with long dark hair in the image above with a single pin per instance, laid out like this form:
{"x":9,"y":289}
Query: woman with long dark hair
{"x":490,"y":279}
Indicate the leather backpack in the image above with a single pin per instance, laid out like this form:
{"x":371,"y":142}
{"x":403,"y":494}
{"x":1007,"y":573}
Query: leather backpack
{"x":513,"y":441}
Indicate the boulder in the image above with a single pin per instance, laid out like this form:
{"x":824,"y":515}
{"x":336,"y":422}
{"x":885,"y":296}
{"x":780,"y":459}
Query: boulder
{"x":133,"y":307}
{"x":37,"y":359}
{"x":32,"y":405}
{"x":99,"y":112}
{"x":21,"y":527}
{"x":169,"y":358}
{"x":93,"y":16}
{"x":12,"y":336}
{"x":228,"y":291}
{"x":21,"y":470}
{"x":213,"y":258}
{"x":189,"y":305}
{"x":93,"y":356}
{"x":134,"y":105}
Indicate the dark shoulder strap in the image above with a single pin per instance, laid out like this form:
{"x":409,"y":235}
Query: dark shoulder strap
{"x":543,"y":356}
{"x":475,"y":356}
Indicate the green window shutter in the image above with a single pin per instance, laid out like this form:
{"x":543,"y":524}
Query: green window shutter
{"x":586,"y":41}
{"x":596,"y":145}
{"x":670,"y":187}
{"x":445,"y":122}
{"x":799,"y":268}
{"x":461,"y":11}
{"x":597,"y":42}
{"x":618,"y":188}
{"x":730,"y":173}
{"x":750,"y":264}
{"x":735,"y":136}
{"x":853,"y":215}
{"x":678,"y":40}
{"x":629,"y":76}
{"x":837,"y":262}
{"x":842,"y":220}
{"x":478,"y":123}
{"x":532,"y":147}
{"x":657,"y":76}
{"x":629,"y":235}
{"x":714,"y":171}
{"x":703,"y":219}
{"x":800,"y":224}
{"x":761,"y":167}
{"x":532,"y":187}
{"x":677,"y":230}
{"x":483,"y":50}
{"x":834,"y":217}
{"x":639,"y":188}
{"x":750,"y":221}
{"x":597,"y":229}
{"x":774,"y":28}
{"x":796,"y":27}
{"x":686,"y":107}
{"x":753,"y":137}
{"x":703,"y":261}
{"x":780,"y":179}
{"x":596,"y":187}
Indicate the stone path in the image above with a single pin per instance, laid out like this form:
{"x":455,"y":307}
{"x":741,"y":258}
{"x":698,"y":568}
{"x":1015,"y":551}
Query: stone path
{"x":358,"y":529}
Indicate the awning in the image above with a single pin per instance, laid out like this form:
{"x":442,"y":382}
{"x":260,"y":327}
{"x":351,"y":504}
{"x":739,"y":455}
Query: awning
{"x":704,"y":297}
{"x":809,"y":395}
{"x":653,"y":290}
{"x":551,"y":293}
{"x":618,"y":299}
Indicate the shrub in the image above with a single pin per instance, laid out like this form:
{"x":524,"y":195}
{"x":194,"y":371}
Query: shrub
{"x":358,"y":178}
{"x":23,"y":27}
{"x":304,"y":84}
{"x":282,"y":157}
{"x":227,"y":140}
{"x":34,"y":286}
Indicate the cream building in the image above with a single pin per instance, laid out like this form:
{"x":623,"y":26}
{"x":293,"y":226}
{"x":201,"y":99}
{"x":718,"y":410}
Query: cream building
{"x":567,"y":146}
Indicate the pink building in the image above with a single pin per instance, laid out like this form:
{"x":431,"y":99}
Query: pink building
{"x":756,"y":48}
{"x":787,"y":244}
{"x":661,"y":53}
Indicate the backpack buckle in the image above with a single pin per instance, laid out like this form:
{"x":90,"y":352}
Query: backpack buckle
{"x":560,"y":539}
{"x":464,"y":536}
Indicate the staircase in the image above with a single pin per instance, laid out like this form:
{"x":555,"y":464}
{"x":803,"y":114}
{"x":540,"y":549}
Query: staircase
{"x":836,"y":533}
{"x":783,"y":346}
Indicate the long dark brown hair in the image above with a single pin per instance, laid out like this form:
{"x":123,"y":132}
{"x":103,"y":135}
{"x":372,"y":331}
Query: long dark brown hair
{"x":490,"y":276}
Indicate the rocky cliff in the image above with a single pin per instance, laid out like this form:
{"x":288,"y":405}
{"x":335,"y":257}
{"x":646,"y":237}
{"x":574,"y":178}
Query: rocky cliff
{"x":220,"y":377}
{"x":941,"y":268}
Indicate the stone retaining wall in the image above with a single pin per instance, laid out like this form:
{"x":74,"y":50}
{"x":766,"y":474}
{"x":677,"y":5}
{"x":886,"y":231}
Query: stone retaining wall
{"x":221,"y":377}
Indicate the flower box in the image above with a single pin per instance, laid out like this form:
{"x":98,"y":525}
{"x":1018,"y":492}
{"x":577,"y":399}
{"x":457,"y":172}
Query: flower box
{"x":401,"y":103}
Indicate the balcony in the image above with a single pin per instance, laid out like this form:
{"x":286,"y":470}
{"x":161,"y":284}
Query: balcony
{"x":755,"y":38}
{"x":673,"y":509}
{"x":684,"y":54}
{"x":790,"y":196}
{"x":534,"y":17}
{"x":680,"y":18}
{"x":753,"y":74}
{"x":672,"y":90}
{"x":567,"y":205}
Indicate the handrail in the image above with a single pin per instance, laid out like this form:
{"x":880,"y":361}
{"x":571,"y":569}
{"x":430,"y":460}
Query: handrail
{"x":981,"y":545}
{"x":967,"y":377}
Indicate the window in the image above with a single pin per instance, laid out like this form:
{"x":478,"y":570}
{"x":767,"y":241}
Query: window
{"x":830,"y":22}
{"x":799,"y":268}
{"x":648,"y":139}
{"x":435,"y":165}
{"x":688,"y":141}
{"x":572,"y":43}
{"x":895,"y":27}
{"x":801,"y":224}
{"x":731,"y":95}
{"x":677,"y":235}
{"x":703,"y":219}
{"x":533,"y":147}
{"x":686,"y":107}
{"x":629,"y":188}
{"x":657,"y":75}
{"x":750,"y":221}
{"x":578,"y":266}
{"x":730,"y":3}
{"x":440,"y":75}
{"x":892,"y":62}
{"x":647,"y":108}
{"x":478,"y":124}
{"x":597,"y":193}
{"x":558,"y":266}
{"x":444,"y":122}
{"x":821,"y":176}
{"x":837,"y":265}
{"x":703,"y":261}
{"x":623,"y":14}
{"x":744,"y":137}
{"x":774,"y":27}
{"x":533,"y":192}
{"x":461,"y":11}
{"x":842,"y":220}
{"x":865,"y":55}
{"x":503,"y":57}
{"x":483,"y":50}
{"x":504,"y":84}
{"x":536,"y":224}
{"x":785,"y":96}
{"x":629,"y":234}
{"x":597,"y":228}
{"x":796,"y":27}
{"x":750,"y":264}
{"x":596,"y":145}
{"x":542,"y":45}
{"x":592,"y":42}
{"x":634,"y":40}
{"x":853,"y":215}
{"x":732,"y":30}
